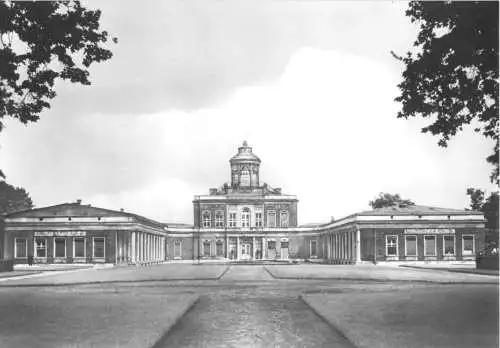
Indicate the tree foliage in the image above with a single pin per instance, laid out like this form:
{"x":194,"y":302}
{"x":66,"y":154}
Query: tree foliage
{"x":41,"y":42}
{"x":488,"y":206}
{"x":388,"y":200}
{"x":451,"y":74}
{"x":13,"y":199}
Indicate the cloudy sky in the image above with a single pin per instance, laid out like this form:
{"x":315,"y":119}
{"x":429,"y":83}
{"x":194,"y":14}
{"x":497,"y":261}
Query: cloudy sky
{"x":310,"y":86}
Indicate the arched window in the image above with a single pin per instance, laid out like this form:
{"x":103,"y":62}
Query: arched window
{"x":245,"y":177}
{"x":206,"y":219}
{"x":245,"y":217}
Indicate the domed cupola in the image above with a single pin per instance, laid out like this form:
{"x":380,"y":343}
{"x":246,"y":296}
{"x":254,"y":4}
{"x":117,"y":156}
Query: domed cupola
{"x":244,"y":168}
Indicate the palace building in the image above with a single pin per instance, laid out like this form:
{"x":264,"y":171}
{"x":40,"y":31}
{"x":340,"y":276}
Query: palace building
{"x":243,"y":220}
{"x":250,"y":220}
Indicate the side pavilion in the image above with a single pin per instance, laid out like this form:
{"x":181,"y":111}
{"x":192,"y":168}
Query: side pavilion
{"x":76,"y":233}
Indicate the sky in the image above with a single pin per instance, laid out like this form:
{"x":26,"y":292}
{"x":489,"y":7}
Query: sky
{"x":309,"y":84}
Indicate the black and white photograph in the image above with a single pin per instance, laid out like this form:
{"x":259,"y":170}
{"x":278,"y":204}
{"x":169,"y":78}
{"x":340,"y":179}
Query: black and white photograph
{"x":249,"y":173}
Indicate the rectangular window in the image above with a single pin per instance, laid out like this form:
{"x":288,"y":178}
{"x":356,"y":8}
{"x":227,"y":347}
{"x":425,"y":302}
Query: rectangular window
{"x":219,"y":219}
{"x":177,"y":249}
{"x":468,"y":245}
{"x":60,"y":247}
{"x":99,"y":247}
{"x":449,"y":245}
{"x":411,"y":245}
{"x":391,"y":245}
{"x":232,"y":219}
{"x":271,"y":244}
{"x":271,"y":218}
{"x":258,"y":219}
{"x":206,"y":248}
{"x":40,"y":247}
{"x":206,"y":219}
{"x":21,"y":248}
{"x":313,"y":248}
{"x":79,"y":247}
{"x":219,"y":247}
{"x":284,"y":245}
{"x":429,"y":245}
{"x":284,"y":219}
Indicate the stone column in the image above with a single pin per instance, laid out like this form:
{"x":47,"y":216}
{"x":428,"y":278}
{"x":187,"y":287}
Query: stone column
{"x":131,"y":245}
{"x":148,"y":250}
{"x":343,"y":245}
{"x":253,"y":247}
{"x":227,"y":246}
{"x":141,"y":244}
{"x":237,"y":248}
{"x":358,"y":245}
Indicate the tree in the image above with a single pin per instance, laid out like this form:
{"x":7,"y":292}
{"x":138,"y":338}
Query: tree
{"x":41,"y":42}
{"x":13,"y":199}
{"x":489,"y":207}
{"x":388,"y":200}
{"x":451,"y":74}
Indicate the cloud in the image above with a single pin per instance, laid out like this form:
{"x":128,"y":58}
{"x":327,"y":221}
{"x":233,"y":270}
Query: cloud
{"x":326,"y":130}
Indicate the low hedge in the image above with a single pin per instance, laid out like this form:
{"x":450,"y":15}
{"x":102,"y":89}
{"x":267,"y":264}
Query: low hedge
{"x":487,"y":262}
{"x":6,"y":265}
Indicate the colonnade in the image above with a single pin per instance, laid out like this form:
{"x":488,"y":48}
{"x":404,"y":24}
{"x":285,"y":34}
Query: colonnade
{"x":140,"y":247}
{"x":344,"y":246}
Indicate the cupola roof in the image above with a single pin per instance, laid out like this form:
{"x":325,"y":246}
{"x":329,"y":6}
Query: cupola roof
{"x":244,"y":154}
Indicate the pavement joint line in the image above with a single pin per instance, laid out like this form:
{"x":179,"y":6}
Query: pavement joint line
{"x":224,"y":272}
{"x":327,"y":322}
{"x":103,"y":282}
{"x":42,"y":274}
{"x":271,"y":273}
{"x":163,"y":337}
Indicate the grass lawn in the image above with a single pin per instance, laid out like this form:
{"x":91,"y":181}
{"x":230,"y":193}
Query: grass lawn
{"x":460,"y":316}
{"x":53,"y":318}
{"x":373,"y":272}
{"x":163,"y":272}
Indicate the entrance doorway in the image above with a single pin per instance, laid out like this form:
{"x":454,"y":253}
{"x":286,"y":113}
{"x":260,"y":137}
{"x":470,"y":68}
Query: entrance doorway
{"x":284,"y":250}
{"x":246,"y":249}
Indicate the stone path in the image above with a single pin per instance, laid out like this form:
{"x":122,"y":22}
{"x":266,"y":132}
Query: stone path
{"x":245,"y":273}
{"x":251,"y":317}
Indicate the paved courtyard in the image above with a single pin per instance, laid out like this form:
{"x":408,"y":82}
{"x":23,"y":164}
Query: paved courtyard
{"x":182,"y":305}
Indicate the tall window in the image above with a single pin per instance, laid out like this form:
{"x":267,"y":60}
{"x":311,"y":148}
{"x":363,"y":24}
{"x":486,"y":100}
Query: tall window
{"x":99,"y":247}
{"x":391,"y":245}
{"x":206,"y":248}
{"x":429,"y":245}
{"x":258,"y":219}
{"x":312,"y":248}
{"x":468,"y":245}
{"x":245,"y":177}
{"x":284,"y":219}
{"x":177,"y":249}
{"x":79,"y":247}
{"x":245,"y":217}
{"x":411,"y":245}
{"x":206,"y":219}
{"x":232,"y":219}
{"x":271,"y":218}
{"x":60,"y":247}
{"x":219,"y":247}
{"x":41,"y":247}
{"x":449,"y":245}
{"x":219,"y":219}
{"x":21,"y":248}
